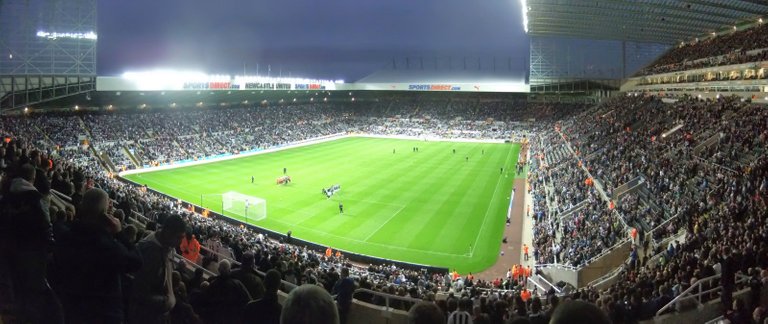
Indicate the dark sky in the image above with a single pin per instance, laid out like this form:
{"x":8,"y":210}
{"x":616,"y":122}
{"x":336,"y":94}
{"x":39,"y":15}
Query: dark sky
{"x":337,"y":39}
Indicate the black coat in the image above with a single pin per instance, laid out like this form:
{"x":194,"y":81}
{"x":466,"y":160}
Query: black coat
{"x":90,"y":263}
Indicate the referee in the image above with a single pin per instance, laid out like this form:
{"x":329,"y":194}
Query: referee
{"x":341,"y":208}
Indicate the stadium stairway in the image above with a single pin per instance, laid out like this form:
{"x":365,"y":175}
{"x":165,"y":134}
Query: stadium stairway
{"x":85,"y":128}
{"x":134,"y":159}
{"x":106,"y":162}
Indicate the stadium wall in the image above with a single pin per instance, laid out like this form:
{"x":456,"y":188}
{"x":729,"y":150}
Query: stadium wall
{"x":595,"y":269}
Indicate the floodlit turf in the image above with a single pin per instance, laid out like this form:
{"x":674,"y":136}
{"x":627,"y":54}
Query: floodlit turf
{"x":432,"y":207}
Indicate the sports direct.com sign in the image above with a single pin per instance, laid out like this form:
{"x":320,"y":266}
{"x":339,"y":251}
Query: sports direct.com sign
{"x":433,"y":87}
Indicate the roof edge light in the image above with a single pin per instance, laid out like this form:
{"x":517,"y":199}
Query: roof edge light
{"x":524,"y":5}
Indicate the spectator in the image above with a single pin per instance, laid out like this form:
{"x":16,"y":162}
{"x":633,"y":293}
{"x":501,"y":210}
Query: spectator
{"x":224,"y":299}
{"x":576,"y":312}
{"x":461,"y":315}
{"x":91,"y":261}
{"x":343,"y":290}
{"x":25,"y":219}
{"x":309,"y":304}
{"x":267,"y":309}
{"x":190,"y":248}
{"x":247,"y":275}
{"x":153,"y":296}
{"x":425,"y":313}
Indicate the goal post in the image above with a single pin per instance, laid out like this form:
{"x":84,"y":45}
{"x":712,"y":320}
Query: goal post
{"x":250,"y":207}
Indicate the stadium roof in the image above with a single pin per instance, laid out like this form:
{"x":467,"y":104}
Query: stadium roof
{"x":656,"y":21}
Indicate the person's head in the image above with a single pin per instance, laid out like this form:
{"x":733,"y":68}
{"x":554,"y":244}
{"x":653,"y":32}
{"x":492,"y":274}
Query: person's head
{"x":93,"y":209}
{"x":27,"y":172}
{"x":225,"y":268}
{"x":309,"y":304}
{"x":465,"y":304}
{"x":344,"y":272}
{"x":172,"y":232}
{"x":536,"y":305}
{"x":425,"y":313}
{"x":576,"y":311}
{"x":452,"y":304}
{"x":248,"y":260}
{"x":272,"y":281}
{"x":34,"y":157}
{"x":119,"y":214}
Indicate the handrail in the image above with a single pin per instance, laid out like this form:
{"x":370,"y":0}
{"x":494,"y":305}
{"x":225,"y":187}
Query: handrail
{"x":689,"y":294}
{"x":717,"y":165}
{"x":609,"y":276}
{"x":602,"y":254}
{"x":557,"y":289}
{"x":541,"y":288}
{"x":138,"y":215}
{"x":62,"y":196}
{"x":386,"y":296}
{"x":556,"y":265}
{"x":231,"y":259}
{"x":178,"y":257}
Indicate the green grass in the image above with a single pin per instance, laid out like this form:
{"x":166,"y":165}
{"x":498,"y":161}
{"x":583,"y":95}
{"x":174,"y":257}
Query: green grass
{"x":425,"y":208}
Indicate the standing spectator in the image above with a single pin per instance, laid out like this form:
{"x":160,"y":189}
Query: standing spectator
{"x":190,"y":248}
{"x":425,"y":313}
{"x":224,"y":299}
{"x":27,"y":223}
{"x":728,"y":278}
{"x":152,"y":297}
{"x":309,"y":304}
{"x":461,"y":315}
{"x":247,"y":275}
{"x":343,"y":290}
{"x":576,"y":311}
{"x":267,"y":309}
{"x":92,"y":292}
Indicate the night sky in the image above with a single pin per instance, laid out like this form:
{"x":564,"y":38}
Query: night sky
{"x":338,"y":39}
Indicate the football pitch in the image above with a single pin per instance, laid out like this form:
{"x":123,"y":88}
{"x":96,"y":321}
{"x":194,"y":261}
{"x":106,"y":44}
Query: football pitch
{"x":432,"y":207}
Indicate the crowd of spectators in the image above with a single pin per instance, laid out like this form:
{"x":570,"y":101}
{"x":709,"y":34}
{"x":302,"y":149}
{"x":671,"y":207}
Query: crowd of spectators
{"x":99,"y":214}
{"x":726,"y":230}
{"x":731,"y":48}
{"x":715,"y":190}
{"x":140,"y":138}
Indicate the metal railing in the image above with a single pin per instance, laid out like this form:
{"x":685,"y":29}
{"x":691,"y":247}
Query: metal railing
{"x":696,"y":292}
{"x":557,"y":289}
{"x":388,"y":298}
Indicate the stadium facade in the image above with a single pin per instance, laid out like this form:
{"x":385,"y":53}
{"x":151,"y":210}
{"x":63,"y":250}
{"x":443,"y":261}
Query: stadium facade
{"x":48,"y":50}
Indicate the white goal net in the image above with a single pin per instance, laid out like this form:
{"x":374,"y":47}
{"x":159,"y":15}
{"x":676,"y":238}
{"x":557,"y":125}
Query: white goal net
{"x":253,"y":208}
